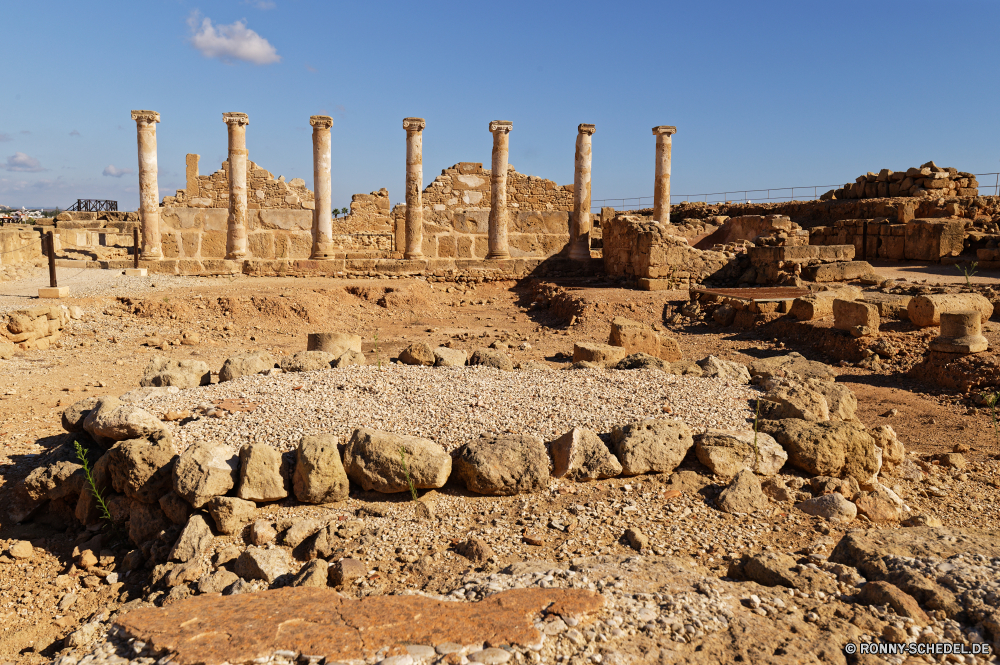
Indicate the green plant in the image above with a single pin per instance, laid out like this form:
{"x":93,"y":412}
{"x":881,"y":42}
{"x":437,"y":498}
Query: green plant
{"x":406,"y":470}
{"x":968,"y":272}
{"x":166,"y":300}
{"x":81,"y":454}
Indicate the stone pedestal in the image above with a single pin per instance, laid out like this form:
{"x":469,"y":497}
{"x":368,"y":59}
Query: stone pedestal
{"x":961,"y":332}
{"x":661,"y":185}
{"x":322,"y":228}
{"x":135,"y":272}
{"x":236,"y":237}
{"x":414,"y":183}
{"x":53,"y":292}
{"x":498,"y":248}
{"x":149,"y":193}
{"x":579,"y":231}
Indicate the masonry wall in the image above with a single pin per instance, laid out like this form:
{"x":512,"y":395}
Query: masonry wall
{"x":916,"y":240}
{"x":19,"y":245}
{"x":640,"y":248}
{"x":263,"y":190}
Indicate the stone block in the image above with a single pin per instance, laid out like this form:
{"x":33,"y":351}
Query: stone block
{"x":925,"y":311}
{"x":930,"y":239}
{"x":53,"y":292}
{"x":135,"y":272}
{"x":858,"y":318}
{"x":961,"y":332}
{"x":637,"y":337}
{"x":601,"y":354}
{"x":837,"y":272}
{"x":213,"y":245}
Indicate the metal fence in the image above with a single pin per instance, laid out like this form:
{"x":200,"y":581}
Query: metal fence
{"x":802,"y":193}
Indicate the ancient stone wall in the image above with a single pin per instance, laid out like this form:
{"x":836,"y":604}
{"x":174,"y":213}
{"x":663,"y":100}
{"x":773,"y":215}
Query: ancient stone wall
{"x":265,"y":192}
{"x":916,"y":240}
{"x":642,"y":249}
{"x":19,"y":245}
{"x":927,"y":180}
{"x":35,"y":328}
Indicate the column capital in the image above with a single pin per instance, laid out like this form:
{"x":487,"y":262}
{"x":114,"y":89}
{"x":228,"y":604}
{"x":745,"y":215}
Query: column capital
{"x":586,"y":129}
{"x":664,"y":129}
{"x":241,"y":119}
{"x":145,"y":116}
{"x":414,"y":124}
{"x":321,"y":121}
{"x":501,"y":126}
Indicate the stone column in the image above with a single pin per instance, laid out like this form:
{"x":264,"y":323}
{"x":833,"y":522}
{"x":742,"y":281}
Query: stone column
{"x":661,"y":186}
{"x":149,"y":193}
{"x":322,"y":231}
{"x":236,"y":238}
{"x":579,"y":232}
{"x":498,"y":190}
{"x":414,"y":183}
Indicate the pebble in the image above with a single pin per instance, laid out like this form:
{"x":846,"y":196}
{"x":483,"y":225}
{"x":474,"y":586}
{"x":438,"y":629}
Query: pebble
{"x":491,"y":656}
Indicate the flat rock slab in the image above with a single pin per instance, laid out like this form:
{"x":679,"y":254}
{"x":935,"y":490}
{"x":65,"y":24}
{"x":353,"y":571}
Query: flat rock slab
{"x":317,"y":621}
{"x":865,"y":549}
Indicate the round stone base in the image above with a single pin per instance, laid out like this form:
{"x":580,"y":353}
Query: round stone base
{"x":966,"y":345}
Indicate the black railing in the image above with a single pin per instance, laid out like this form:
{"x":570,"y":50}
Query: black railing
{"x":93,"y":205}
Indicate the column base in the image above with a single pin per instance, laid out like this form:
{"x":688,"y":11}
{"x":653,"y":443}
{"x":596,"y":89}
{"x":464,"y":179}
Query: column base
{"x":135,"y":272}
{"x":236,"y":256}
{"x":413,"y":255}
{"x":53,"y":292}
{"x":498,"y":255}
{"x":579,"y":252}
{"x":151,"y":255}
{"x":323,"y":256}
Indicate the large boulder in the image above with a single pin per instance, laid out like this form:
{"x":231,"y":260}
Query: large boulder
{"x":203,"y":471}
{"x":336,"y":344}
{"x":925,"y":311}
{"x":868,"y":550}
{"x":604,"y":355}
{"x":492,"y":358}
{"x":636,"y":337}
{"x":418,"y":353}
{"x":579,"y":454}
{"x":743,"y":494}
{"x":833,"y":507}
{"x":502,"y":466}
{"x":319,"y":474}
{"x":111,"y":420}
{"x":264,"y":474}
{"x":375,"y":460}
{"x":726,"y":370}
{"x":183,"y":374}
{"x":258,"y":563}
{"x":795,"y":401}
{"x":447,"y":357}
{"x":245,"y":364}
{"x":880,"y":505}
{"x":307,"y":361}
{"x":230,"y":513}
{"x":75,"y":414}
{"x":142,"y":470}
{"x":792,"y":365}
{"x":725,"y":453}
{"x":349,"y":358}
{"x":651,"y":446}
{"x":194,"y":540}
{"x":835,"y":449}
{"x":54,"y":481}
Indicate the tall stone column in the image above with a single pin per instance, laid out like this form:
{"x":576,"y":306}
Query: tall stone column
{"x":579,"y":232}
{"x":236,"y":237}
{"x":414,"y":183}
{"x":322,"y":231}
{"x":661,"y":186}
{"x":149,"y":193}
{"x":498,"y":248}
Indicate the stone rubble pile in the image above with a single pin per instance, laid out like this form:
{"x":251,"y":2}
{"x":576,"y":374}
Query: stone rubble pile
{"x":927,"y":180}
{"x":35,"y":328}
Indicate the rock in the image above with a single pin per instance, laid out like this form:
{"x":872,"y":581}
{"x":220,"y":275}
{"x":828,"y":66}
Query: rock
{"x":76,"y":413}
{"x":637,"y":337}
{"x":792,"y":365}
{"x":795,"y":401}
{"x":417,"y":353}
{"x":299,"y":531}
{"x":743,"y":495}
{"x":953,"y":461}
{"x":230,"y":513}
{"x":194,"y":540}
{"x":725,"y":453}
{"x":319,"y":475}
{"x":21,"y":549}
{"x":110,"y":420}
{"x":245,"y":364}
{"x":336,"y":344}
{"x":350,"y":358}
{"x":448,"y":357}
{"x":491,"y":358}
{"x":726,"y":370}
{"x":685,"y":368}
{"x":776,"y":490}
{"x":923,"y":520}
{"x":145,"y":521}
{"x":636,"y":540}
{"x":264,"y":474}
{"x":183,"y":374}
{"x":880,"y":505}
{"x":475,"y":549}
{"x":141,"y":470}
{"x":262,"y":533}
{"x":217,"y":582}
{"x":85,"y":634}
{"x":345,"y":571}
{"x":424,"y":510}
{"x":832,"y":507}
{"x":651,"y":446}
{"x":203,"y":471}
{"x":581,"y":455}
{"x":263,"y":564}
{"x":841,"y":402}
{"x":902,"y":603}
{"x":846,"y":487}
{"x":315,"y":573}
{"x":374,"y":460}
{"x":866,"y":549}
{"x":54,"y":481}
{"x":819,"y":305}
{"x":925,"y":311}
{"x":502,"y":466}
{"x":856,"y":317}
{"x":175,"y":508}
{"x":307,"y":361}
{"x":827,"y":448}
{"x":642,"y":361}
{"x":604,"y":355}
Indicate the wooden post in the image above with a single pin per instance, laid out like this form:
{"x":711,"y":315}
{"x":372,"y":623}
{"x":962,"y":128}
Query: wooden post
{"x":52,"y":259}
{"x":135,"y":247}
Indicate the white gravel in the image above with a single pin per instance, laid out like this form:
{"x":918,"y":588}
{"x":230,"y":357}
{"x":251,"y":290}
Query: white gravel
{"x":451,"y":405}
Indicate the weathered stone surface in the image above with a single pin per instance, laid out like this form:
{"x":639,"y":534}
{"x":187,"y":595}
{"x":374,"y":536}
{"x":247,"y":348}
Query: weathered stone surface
{"x":54,"y":481}
{"x":145,"y":521}
{"x":880,"y":505}
{"x":194,"y":540}
{"x":448,"y":357}
{"x":230,"y":513}
{"x":475,"y":549}
{"x":819,"y":305}
{"x":491,"y":358}
{"x":218,"y":581}
{"x":264,"y":474}
{"x":110,"y":420}
{"x":502,"y":466}
{"x":418,"y":353}
{"x":350,"y":358}
{"x":262,"y":532}
{"x":792,"y":365}
{"x":263,"y":564}
{"x":637,"y":337}
{"x":319,"y":474}
{"x":725,"y":453}
{"x":644,"y":361}
{"x":141,"y":470}
{"x":865,"y":550}
{"x":925,"y":311}
{"x":726,"y":370}
{"x":794,"y":401}
{"x":636,"y":539}
{"x":320,"y":621}
{"x":314,"y":573}
{"x":581,"y":455}
{"x":743,"y":494}
{"x":374,"y":460}
{"x":651,"y":446}
{"x":245,"y":364}
{"x":832,"y":507}
{"x":183,"y":374}
{"x":75,"y":414}
{"x":336,"y":344}
{"x":203,"y":471}
{"x":883,"y":593}
{"x":828,"y":448}
{"x":857,"y":317}
{"x":307,"y":361}
{"x":174,"y":507}
{"x":299,"y":531}
{"x":961,"y":332}
{"x":841,"y":402}
{"x":599,"y":354}
{"x":346,"y":571}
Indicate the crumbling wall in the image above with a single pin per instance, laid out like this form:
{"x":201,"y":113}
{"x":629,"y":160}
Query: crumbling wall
{"x":19,"y":245}
{"x":927,"y":180}
{"x":642,"y":249}
{"x":916,"y":240}
{"x":35,"y":328}
{"x":264,"y":192}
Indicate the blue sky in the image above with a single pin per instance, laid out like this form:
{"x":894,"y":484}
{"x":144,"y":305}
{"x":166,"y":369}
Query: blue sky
{"x":763,"y":94}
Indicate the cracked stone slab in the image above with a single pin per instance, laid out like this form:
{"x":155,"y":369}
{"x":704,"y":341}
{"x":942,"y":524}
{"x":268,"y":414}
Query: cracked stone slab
{"x":237,"y":629}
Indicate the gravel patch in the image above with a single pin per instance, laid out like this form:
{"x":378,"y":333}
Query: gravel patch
{"x":450,"y":405}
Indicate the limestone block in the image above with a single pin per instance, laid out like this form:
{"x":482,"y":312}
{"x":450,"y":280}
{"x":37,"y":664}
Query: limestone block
{"x":637,"y":337}
{"x":820,"y":304}
{"x":859,"y":318}
{"x":837,"y":272}
{"x":925,"y":311}
{"x":334,"y":343}
{"x":961,"y":332}
{"x":930,"y":239}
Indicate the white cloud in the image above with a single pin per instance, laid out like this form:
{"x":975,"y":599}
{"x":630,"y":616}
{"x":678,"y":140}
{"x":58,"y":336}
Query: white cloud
{"x":22,"y":162}
{"x":260,"y":4}
{"x":230,"y":42}
{"x":115,"y":172}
